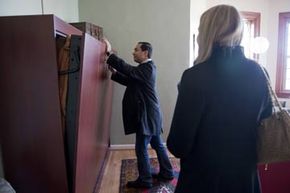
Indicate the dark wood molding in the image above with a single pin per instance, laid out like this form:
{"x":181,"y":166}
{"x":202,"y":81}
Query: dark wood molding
{"x":284,"y":18}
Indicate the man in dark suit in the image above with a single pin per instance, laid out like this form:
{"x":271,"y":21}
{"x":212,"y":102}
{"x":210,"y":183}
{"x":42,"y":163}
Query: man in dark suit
{"x":141,"y":111}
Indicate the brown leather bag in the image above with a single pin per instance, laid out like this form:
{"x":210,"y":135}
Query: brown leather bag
{"x":274,"y":133}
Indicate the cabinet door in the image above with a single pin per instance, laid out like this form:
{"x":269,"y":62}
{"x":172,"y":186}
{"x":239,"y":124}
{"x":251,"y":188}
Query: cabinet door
{"x":31,"y":134}
{"x":90,"y":153}
{"x":275,"y":178}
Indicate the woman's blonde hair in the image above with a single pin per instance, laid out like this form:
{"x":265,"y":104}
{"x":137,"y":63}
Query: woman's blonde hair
{"x":220,"y":25}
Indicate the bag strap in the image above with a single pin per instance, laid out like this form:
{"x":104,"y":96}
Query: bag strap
{"x":274,"y":97}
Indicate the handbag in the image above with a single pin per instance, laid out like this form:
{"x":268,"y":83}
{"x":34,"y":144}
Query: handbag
{"x":273,"y":144}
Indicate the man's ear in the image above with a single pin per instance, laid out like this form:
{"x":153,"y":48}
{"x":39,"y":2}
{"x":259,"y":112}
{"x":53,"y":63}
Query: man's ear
{"x":147,"y":53}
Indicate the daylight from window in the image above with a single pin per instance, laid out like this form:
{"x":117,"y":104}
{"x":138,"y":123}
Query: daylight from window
{"x":247,"y":38}
{"x":287,"y":83}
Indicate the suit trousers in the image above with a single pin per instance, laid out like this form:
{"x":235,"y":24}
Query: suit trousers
{"x":143,"y":161}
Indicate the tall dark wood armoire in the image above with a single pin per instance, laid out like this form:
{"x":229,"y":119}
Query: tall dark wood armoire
{"x":39,"y":154}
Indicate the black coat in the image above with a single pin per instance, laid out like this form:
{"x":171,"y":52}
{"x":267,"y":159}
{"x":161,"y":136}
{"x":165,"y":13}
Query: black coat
{"x":141,"y":109}
{"x":219,"y":107}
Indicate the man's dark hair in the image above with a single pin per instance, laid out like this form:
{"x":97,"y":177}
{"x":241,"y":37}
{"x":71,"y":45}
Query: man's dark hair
{"x":146,"y":46}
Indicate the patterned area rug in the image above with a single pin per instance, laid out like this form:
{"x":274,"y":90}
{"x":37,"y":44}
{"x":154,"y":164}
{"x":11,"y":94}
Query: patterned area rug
{"x":129,"y":172}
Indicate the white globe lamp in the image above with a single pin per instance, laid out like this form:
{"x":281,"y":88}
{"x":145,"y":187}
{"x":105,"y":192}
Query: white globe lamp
{"x":259,"y":45}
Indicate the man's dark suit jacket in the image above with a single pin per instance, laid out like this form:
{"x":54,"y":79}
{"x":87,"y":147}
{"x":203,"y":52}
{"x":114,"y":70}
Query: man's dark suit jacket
{"x":141,"y":109}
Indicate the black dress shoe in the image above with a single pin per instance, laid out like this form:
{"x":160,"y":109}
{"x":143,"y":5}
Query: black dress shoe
{"x":162,"y":177}
{"x":138,"y":184}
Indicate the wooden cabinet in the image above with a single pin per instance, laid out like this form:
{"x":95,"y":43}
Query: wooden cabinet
{"x":32,"y":137}
{"x":93,"y":30}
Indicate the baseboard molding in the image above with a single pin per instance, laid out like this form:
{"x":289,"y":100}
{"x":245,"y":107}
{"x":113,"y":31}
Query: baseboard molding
{"x":126,"y":146}
{"x":122,"y":146}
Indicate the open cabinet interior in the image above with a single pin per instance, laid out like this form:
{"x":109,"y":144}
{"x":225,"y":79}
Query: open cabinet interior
{"x":55,"y":105}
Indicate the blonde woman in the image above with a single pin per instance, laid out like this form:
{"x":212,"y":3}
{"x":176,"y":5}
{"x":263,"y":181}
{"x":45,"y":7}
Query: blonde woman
{"x":220,"y":104}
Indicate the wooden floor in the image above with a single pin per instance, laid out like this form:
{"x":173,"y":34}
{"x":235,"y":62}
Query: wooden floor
{"x":111,"y":177}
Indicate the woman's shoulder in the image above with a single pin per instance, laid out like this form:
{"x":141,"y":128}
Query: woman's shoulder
{"x":197,"y":69}
{"x":252,"y":65}
{"x":195,"y":74}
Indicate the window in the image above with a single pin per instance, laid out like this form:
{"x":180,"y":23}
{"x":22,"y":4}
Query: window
{"x":283,"y":56}
{"x":251,"y":30}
